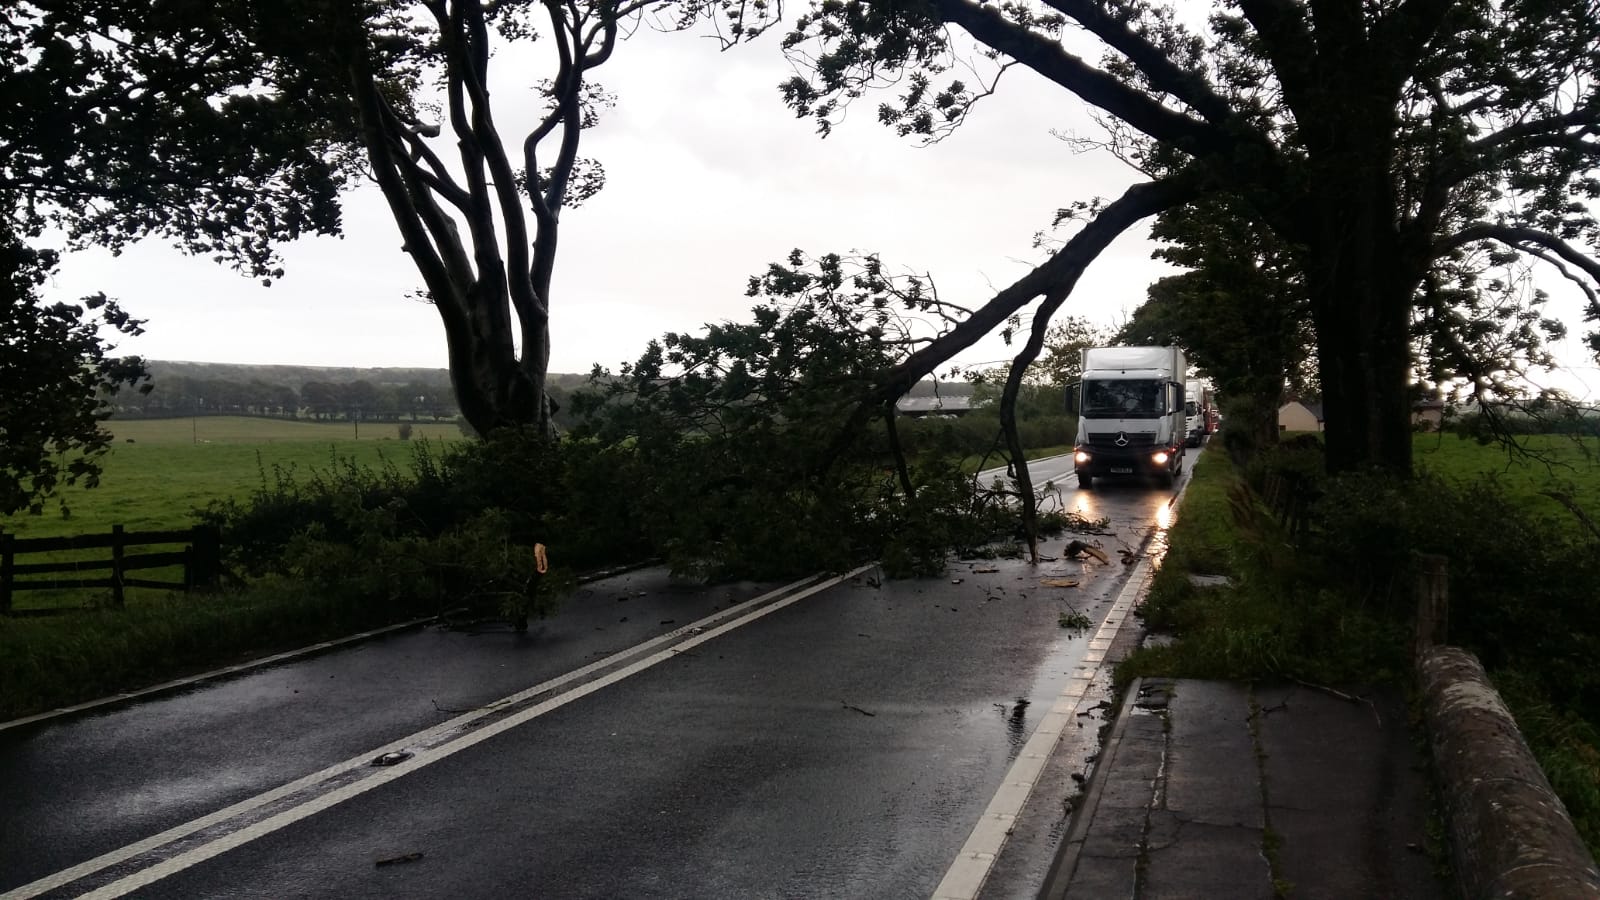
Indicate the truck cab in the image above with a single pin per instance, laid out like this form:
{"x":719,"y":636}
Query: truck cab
{"x":1197,"y":412}
{"x":1131,"y":414}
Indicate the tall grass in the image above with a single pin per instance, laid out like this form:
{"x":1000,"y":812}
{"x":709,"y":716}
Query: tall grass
{"x":1322,"y":613}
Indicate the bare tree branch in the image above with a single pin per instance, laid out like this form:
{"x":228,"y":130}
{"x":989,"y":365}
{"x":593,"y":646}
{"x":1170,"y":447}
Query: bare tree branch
{"x":1187,"y":85}
{"x":1517,"y":237}
{"x":1050,"y":59}
{"x":1057,"y":274}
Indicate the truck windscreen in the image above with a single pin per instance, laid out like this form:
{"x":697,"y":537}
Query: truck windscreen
{"x":1122,"y":398}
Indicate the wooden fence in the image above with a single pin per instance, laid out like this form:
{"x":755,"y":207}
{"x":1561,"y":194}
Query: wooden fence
{"x":1290,"y":498}
{"x":201,"y":559}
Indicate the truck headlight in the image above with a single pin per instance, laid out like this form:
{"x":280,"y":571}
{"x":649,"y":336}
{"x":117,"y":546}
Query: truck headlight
{"x":1080,"y":456}
{"x":1161,"y":457}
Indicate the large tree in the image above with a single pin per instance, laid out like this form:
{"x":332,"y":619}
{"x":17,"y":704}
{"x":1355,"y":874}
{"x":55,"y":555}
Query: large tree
{"x":480,"y":220}
{"x":1373,"y":139}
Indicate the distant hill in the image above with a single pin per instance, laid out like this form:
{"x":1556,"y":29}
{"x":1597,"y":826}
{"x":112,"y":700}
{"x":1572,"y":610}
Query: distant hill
{"x":293,"y":376}
{"x":321,"y":393}
{"x":297,"y":376}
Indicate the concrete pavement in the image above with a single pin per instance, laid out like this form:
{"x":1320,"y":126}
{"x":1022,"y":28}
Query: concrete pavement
{"x":1208,"y":789}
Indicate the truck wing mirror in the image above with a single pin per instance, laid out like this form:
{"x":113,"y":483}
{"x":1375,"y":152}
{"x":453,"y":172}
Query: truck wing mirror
{"x":1072,"y":397}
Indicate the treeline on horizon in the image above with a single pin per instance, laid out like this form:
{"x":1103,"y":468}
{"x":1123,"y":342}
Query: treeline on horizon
{"x":310,"y":393}
{"x":330,"y":394}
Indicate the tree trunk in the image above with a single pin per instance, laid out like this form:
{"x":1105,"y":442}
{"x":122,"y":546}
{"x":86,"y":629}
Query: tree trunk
{"x":1365,"y":363}
{"x":1361,"y":294}
{"x":1361,"y":303}
{"x":493,"y":387}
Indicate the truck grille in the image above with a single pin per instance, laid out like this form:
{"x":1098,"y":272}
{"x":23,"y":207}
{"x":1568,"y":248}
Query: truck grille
{"x":1135,"y":439}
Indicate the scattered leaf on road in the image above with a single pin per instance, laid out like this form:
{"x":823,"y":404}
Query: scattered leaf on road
{"x":1058,"y":582}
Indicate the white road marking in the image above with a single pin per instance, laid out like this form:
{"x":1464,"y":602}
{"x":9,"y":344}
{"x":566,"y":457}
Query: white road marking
{"x":965,"y":877}
{"x":433,"y":738}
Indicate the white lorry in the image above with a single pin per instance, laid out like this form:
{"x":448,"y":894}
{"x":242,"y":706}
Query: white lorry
{"x":1130,"y":410}
{"x":1197,"y":412}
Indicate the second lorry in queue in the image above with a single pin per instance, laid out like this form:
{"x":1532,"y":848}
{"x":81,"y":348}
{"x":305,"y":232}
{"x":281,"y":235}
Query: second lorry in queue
{"x":1199,"y":412}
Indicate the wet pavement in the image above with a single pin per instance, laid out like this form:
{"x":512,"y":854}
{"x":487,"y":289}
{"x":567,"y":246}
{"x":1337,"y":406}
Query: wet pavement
{"x":843,"y":740}
{"x":1221,"y":789}
{"x":77,"y":788}
{"x":653,"y":739}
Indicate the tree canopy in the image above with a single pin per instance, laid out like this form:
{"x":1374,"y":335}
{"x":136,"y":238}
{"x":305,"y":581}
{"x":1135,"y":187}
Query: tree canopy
{"x":129,"y":120}
{"x":1377,"y":142}
{"x":120,"y":121}
{"x":53,"y":367}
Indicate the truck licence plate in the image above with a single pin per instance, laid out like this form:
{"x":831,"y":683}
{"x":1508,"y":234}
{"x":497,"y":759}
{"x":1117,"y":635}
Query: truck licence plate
{"x":1122,"y":470}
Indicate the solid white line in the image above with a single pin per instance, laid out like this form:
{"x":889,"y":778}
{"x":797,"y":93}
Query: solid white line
{"x":965,"y":877}
{"x":363,"y":761}
{"x":972,"y":866}
{"x":148,"y":876}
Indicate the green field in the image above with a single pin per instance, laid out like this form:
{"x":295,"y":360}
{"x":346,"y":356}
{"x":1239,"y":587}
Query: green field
{"x":243,"y":429}
{"x":1552,"y":463}
{"x":156,"y":481}
{"x":172,"y":467}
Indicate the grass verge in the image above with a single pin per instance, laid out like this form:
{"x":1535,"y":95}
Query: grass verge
{"x":1284,"y":614}
{"x":1270,"y":620}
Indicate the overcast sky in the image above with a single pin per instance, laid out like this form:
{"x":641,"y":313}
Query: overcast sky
{"x":709,"y":178}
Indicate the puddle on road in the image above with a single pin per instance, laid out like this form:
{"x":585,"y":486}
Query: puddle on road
{"x":1017,"y":731}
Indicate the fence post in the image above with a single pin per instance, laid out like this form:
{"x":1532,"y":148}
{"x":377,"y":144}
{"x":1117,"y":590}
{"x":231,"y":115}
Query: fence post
{"x":117,"y":599}
{"x":205,"y":558}
{"x":8,"y":558}
{"x":1433,"y":601}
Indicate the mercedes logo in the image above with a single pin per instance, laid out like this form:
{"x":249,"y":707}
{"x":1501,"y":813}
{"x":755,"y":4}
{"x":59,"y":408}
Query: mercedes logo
{"x":1122,"y":439}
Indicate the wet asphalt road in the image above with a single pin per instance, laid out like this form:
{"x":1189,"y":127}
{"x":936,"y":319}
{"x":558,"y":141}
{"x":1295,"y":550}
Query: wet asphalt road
{"x":842,"y":744}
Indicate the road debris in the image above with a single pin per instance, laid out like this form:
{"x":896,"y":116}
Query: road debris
{"x":985,"y":570}
{"x":392,"y":758}
{"x":396,"y":860}
{"x":858,"y":709}
{"x":1058,"y":582}
{"x":1076,"y":549}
